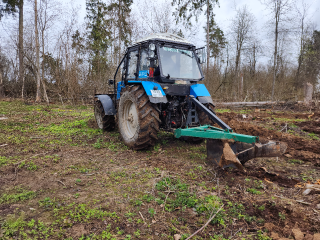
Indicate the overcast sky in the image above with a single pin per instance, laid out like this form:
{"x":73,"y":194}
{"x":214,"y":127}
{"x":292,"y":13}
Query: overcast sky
{"x":227,"y":11}
{"x":224,"y":15}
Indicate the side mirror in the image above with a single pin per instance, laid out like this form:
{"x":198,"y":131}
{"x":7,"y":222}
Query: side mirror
{"x":201,"y":55}
{"x":110,"y":81}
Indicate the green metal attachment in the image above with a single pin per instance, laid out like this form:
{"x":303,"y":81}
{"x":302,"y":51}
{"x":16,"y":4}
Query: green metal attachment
{"x":208,"y":131}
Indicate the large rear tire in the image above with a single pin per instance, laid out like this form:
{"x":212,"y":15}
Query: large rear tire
{"x":104,"y":122}
{"x":138,"y":119}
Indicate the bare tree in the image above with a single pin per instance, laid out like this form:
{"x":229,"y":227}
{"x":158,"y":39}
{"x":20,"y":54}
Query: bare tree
{"x":302,"y":30}
{"x":48,"y":13}
{"x":38,"y":95}
{"x":1,"y":86}
{"x":241,"y":29}
{"x":155,"y":17}
{"x":20,"y":48}
{"x":188,"y":9}
{"x":280,"y":10}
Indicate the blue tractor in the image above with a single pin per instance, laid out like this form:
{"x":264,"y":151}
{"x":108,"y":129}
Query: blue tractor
{"x":160,"y":90}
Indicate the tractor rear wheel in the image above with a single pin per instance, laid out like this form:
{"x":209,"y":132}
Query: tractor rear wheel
{"x":138,"y":119}
{"x":105,"y":122}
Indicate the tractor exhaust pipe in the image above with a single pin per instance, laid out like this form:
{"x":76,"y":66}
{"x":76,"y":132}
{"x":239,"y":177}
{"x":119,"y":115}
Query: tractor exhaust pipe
{"x":225,"y":153}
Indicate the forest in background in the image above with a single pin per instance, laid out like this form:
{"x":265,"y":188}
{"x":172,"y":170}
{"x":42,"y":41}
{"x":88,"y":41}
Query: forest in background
{"x":51,"y":54}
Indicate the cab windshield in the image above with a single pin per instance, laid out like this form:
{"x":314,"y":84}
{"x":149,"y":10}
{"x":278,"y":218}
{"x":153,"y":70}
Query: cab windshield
{"x":179,"y":63}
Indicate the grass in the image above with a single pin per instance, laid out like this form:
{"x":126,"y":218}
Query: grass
{"x":3,"y":160}
{"x":253,"y":191}
{"x":19,"y":195}
{"x":293,"y":161}
{"x":289,"y":119}
{"x":70,"y":174}
{"x":314,"y":136}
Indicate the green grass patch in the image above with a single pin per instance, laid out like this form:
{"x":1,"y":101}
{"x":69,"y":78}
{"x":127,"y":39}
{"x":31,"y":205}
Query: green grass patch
{"x":289,"y":119}
{"x":3,"y":160}
{"x":254,"y":191}
{"x":313,"y":136}
{"x":293,"y":161}
{"x":20,"y":195}
{"x":222,"y":110}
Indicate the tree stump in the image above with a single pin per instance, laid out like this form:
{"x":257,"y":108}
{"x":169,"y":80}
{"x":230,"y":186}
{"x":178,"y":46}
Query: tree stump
{"x":308,"y":91}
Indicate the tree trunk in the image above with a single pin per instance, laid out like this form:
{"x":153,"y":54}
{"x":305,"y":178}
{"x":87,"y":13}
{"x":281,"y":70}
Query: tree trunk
{"x":45,"y":91}
{"x":119,"y":32}
{"x":308,"y":90}
{"x":208,"y":51}
{"x":237,"y":79}
{"x":300,"y":55}
{"x":277,"y":13}
{"x":38,"y":94}
{"x":1,"y":86}
{"x":254,"y":60}
{"x":42,"y":78}
{"x":20,"y":48}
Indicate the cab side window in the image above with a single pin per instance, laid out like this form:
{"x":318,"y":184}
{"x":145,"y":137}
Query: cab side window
{"x":132,"y":64}
{"x":144,"y":64}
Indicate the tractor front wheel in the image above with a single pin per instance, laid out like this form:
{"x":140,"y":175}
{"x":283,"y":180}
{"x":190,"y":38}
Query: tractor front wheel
{"x":138,"y":119}
{"x":105,"y":122}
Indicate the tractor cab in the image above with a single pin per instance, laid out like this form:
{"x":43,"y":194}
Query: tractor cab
{"x":163,"y":58}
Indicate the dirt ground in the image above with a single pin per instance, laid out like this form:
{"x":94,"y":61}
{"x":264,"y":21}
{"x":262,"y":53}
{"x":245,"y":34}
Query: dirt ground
{"x":62,"y":178}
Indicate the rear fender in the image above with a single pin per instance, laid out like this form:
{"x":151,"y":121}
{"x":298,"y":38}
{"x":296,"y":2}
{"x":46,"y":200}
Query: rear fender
{"x":107,"y":103}
{"x":201,"y":92}
{"x":147,"y":86}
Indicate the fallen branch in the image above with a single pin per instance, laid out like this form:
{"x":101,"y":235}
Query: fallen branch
{"x":301,"y":201}
{"x":60,"y":182}
{"x":164,"y":204}
{"x":199,"y":230}
{"x":142,"y":217}
{"x":235,"y":233}
{"x":90,"y":174}
{"x":3,"y":145}
{"x":290,"y":199}
{"x":285,"y":127}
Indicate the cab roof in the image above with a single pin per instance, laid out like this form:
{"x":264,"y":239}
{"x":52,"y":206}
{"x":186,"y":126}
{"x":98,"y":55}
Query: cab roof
{"x":164,"y":37}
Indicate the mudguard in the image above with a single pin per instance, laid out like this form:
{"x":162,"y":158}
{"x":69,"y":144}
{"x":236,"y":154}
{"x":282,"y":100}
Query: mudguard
{"x":107,"y":104}
{"x":201,"y":92}
{"x":148,"y":86}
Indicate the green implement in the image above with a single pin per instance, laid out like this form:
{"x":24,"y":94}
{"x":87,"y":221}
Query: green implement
{"x":208,"y":131}
{"x":228,"y":149}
